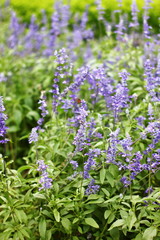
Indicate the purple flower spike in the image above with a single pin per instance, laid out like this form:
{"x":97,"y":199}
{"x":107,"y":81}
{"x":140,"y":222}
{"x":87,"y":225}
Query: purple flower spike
{"x":135,"y":10}
{"x":43,"y":105}
{"x":3,"y":118}
{"x":34,"y":135}
{"x":45,"y":181}
{"x":92,"y":188}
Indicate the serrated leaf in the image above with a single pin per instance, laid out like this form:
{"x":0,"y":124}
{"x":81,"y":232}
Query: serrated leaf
{"x":117,"y":223}
{"x":56,"y":215}
{"x":91,"y":222}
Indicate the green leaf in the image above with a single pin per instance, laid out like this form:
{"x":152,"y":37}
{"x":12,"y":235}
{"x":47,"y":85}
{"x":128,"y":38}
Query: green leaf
{"x":75,"y":220}
{"x":150,"y":233}
{"x":102,"y":175}
{"x":115,"y":233}
{"x":111,"y":218}
{"x":75,"y":238}
{"x":17,"y":117}
{"x":110,"y":178}
{"x":91,"y":222}
{"x":26,"y":167}
{"x":80,"y":230}
{"x":38,"y":195}
{"x":49,"y":234}
{"x":100,"y":200}
{"x":20,"y":235}
{"x":42,"y":227}
{"x":25,"y":233}
{"x":123,"y":214}
{"x":66,"y":223}
{"x":138,"y":237}
{"x":5,"y":235}
{"x":117,"y":223}
{"x":106,"y":192}
{"x":114,"y":170}
{"x":22,"y":217}
{"x":56,"y":215}
{"x":131,"y":220}
{"x":48,"y":214}
{"x":107,"y":213}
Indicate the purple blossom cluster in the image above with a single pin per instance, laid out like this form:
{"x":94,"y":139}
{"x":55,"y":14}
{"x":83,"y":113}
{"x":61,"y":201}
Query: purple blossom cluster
{"x":134,"y":23}
{"x":3,"y":118}
{"x":81,"y":136}
{"x":112,"y":149}
{"x":92,"y":188}
{"x":63,"y":72}
{"x":90,"y":163}
{"x":43,"y":107}
{"x":152,"y":80}
{"x":45,"y":181}
{"x":100,"y":10}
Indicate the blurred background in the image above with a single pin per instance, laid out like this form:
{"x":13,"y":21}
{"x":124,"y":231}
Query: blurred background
{"x":25,"y":8}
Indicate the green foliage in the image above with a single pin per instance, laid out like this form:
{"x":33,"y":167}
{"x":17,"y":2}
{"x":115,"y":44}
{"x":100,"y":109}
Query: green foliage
{"x":65,"y":211}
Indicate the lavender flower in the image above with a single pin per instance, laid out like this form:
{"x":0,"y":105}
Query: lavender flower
{"x":92,"y":188}
{"x":150,"y":112}
{"x":16,"y":30}
{"x":120,"y":30}
{"x":140,"y":120}
{"x":126,"y":143}
{"x":90,"y":163}
{"x":135,"y":10}
{"x":146,"y":27}
{"x":33,"y":39}
{"x":81,"y":136}
{"x":112,"y":150}
{"x":100,"y":10}
{"x":74,"y":164}
{"x":125,"y":181}
{"x":43,"y":106}
{"x":3,"y":118}
{"x":151,"y":81}
{"x":35,"y":131}
{"x":45,"y":181}
{"x":63,"y":72}
{"x":34,"y":135}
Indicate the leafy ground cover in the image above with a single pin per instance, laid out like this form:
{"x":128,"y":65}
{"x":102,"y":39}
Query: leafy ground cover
{"x":79,"y":126}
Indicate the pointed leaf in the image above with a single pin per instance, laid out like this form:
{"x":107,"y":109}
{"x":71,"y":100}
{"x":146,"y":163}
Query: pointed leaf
{"x":91,"y":222}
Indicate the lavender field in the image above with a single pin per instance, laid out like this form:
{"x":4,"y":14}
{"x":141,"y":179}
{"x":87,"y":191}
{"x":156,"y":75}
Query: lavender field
{"x":80,"y":124}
